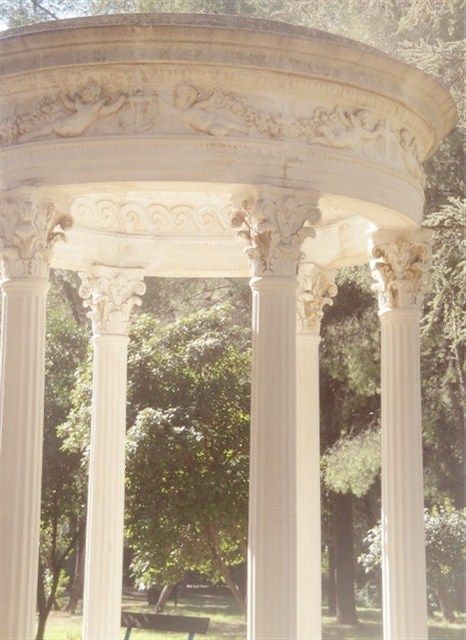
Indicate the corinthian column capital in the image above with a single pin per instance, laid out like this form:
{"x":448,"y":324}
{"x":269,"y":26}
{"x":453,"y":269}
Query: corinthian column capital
{"x":316,"y":288}
{"x":29,"y":229}
{"x":111,"y":295}
{"x":399,"y":262}
{"x":274,"y":225}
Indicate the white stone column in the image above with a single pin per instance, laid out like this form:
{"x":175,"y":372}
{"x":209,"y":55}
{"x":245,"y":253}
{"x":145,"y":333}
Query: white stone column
{"x":398,"y":261}
{"x":28,"y":235}
{"x":274,"y":227}
{"x":111,"y":295}
{"x":316,"y":288}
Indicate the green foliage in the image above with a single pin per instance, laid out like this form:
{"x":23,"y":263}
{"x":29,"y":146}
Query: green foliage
{"x":443,"y":350}
{"x":352,"y":464}
{"x":20,"y":12}
{"x":445,"y":530}
{"x":187,"y":464}
{"x":62,"y":490}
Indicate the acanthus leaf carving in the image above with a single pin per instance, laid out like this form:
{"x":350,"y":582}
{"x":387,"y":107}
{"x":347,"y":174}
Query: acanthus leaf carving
{"x":274,"y":229}
{"x":29,"y":230}
{"x":111,"y":296}
{"x":399,"y":263}
{"x":316,"y":288}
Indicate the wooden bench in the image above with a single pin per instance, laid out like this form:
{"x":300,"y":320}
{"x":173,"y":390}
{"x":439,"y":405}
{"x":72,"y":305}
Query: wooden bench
{"x":162,"y":622}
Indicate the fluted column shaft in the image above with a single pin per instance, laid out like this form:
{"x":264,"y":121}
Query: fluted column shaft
{"x":28,"y":232}
{"x":272,"y":604}
{"x":274,"y":224}
{"x":110,"y":295}
{"x":308,"y":488}
{"x":399,"y":261}
{"x":23,"y":355}
{"x":105,"y":511}
{"x":315,"y":290}
{"x":403,"y":550}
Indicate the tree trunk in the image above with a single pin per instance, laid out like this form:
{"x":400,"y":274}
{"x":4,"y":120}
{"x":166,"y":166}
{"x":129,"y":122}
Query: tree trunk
{"x":41,"y":602}
{"x":77,"y":587}
{"x":446,"y":604}
{"x":163,"y":598}
{"x":223,"y":568}
{"x":42,"y":621}
{"x":332,"y":587}
{"x":346,"y":601}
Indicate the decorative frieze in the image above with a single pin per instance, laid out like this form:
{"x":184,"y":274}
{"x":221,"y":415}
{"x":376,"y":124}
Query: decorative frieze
{"x":316,"y":288}
{"x":274,"y":229}
{"x":28,"y":232}
{"x":150,"y":216}
{"x":111,"y":295}
{"x":212,"y":111}
{"x":399,"y":262}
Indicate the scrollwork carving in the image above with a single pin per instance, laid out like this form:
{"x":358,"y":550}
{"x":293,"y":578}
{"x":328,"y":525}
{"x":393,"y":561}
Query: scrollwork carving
{"x":274,"y":229}
{"x":316,"y":288}
{"x":111,"y":297}
{"x":146,"y":217}
{"x":399,"y":263}
{"x":29,"y":230}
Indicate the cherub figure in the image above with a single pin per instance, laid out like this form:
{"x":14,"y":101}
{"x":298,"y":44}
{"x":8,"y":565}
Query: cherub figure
{"x":410,"y":153}
{"x":201,"y":113}
{"x":345,"y":129}
{"x":86,"y":108}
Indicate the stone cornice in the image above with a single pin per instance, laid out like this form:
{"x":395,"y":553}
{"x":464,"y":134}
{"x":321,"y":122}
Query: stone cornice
{"x":399,"y":261}
{"x":29,"y":229}
{"x":111,"y":295}
{"x":316,"y":288}
{"x":229,"y":42}
{"x":274,"y":226}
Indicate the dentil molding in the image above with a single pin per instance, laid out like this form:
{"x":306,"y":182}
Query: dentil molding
{"x":274,"y":228}
{"x":28,"y":232}
{"x":111,"y":295}
{"x":316,"y":288}
{"x":399,"y":262}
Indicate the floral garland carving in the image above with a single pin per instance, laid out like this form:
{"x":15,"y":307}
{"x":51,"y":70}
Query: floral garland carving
{"x":28,"y":233}
{"x":111,"y":298}
{"x":70,"y":116}
{"x":399,"y":263}
{"x":274,"y":230}
{"x":217,"y":113}
{"x":316,"y":288}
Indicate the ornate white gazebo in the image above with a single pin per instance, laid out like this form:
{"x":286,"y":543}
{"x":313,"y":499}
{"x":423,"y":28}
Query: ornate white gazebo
{"x":148,"y":143}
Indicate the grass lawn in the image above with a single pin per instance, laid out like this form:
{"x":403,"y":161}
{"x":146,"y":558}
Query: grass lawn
{"x":227,"y":624}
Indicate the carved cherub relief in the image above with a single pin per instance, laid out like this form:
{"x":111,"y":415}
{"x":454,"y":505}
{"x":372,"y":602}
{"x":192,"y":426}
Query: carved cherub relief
{"x":410,"y":154}
{"x":200,"y":111}
{"x":344,"y":128}
{"x":84,"y":108}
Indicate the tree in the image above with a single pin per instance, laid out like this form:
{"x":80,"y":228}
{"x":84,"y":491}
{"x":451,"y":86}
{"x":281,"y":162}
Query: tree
{"x":443,"y":351}
{"x":188,"y":446}
{"x":188,"y":449}
{"x":445,"y":532}
{"x":63,"y":486}
{"x":428,"y":34}
{"x":349,"y":408}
